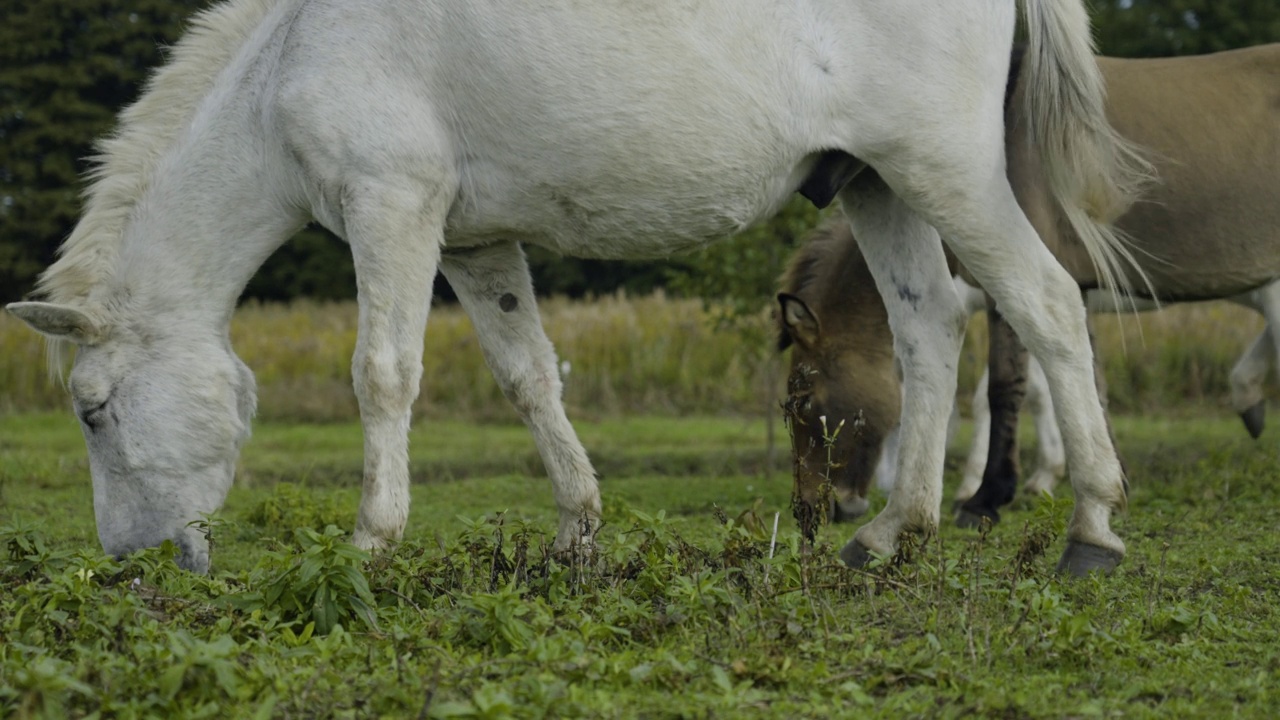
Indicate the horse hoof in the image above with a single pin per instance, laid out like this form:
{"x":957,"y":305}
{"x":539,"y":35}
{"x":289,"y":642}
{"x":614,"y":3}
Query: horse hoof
{"x":856,"y":555}
{"x":1080,"y":559}
{"x":1255,"y":418}
{"x":970,"y":520}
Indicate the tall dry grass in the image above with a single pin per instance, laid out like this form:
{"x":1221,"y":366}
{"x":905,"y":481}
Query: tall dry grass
{"x":1178,"y":359}
{"x":638,"y":355}
{"x":618,"y":355}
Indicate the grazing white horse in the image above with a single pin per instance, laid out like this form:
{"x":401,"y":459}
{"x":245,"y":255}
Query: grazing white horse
{"x":436,"y":135}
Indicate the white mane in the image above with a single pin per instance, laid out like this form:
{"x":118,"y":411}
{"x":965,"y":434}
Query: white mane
{"x":125,"y":159}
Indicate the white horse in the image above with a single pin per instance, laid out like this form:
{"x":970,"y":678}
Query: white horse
{"x":435,"y":135}
{"x":1247,"y":378}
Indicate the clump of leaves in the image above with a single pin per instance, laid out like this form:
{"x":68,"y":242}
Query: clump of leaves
{"x":504,"y":620}
{"x":26,"y":551}
{"x":323,"y":584}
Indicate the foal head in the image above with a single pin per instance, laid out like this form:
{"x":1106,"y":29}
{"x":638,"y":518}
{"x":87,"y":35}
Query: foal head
{"x":842,"y":370}
{"x":164,"y":412}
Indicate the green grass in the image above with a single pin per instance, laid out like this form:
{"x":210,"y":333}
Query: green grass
{"x":674,"y":616}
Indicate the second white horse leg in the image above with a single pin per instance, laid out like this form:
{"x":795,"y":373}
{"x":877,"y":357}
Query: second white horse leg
{"x":494,"y":287}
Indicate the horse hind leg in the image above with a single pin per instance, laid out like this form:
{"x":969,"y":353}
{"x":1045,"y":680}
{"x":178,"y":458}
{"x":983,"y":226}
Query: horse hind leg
{"x":1250,"y":371}
{"x":494,"y":287}
{"x":905,"y":257}
{"x":978,"y":215}
{"x":395,"y":229}
{"x":1247,"y":377}
{"x":1006,"y":388}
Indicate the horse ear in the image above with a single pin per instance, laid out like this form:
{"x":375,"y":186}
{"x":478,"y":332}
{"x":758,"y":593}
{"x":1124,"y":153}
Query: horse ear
{"x":798,"y":321}
{"x":60,"y":322}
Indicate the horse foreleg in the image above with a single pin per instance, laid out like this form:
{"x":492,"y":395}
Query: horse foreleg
{"x":1051,"y":461}
{"x":1007,"y":383}
{"x":906,"y":259}
{"x":976,"y":463}
{"x":395,"y":241}
{"x":1051,"y":458}
{"x":494,"y":287}
{"x":974,"y":299}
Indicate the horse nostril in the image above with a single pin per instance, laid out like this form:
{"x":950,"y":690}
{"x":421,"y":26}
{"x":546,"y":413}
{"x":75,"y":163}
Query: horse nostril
{"x":191,"y":557}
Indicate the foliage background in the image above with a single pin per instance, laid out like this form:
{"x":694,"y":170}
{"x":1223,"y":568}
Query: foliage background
{"x":67,"y":67}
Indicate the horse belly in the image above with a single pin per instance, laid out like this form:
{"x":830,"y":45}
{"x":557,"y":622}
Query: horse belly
{"x":653,"y":212}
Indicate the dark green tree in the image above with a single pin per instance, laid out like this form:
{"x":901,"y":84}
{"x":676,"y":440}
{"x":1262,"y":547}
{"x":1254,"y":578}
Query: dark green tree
{"x":1160,"y":28}
{"x":66,"y":66}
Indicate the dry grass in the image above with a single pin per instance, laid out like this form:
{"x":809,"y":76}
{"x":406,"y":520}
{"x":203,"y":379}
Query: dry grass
{"x":622,"y":355}
{"x":652,"y":355}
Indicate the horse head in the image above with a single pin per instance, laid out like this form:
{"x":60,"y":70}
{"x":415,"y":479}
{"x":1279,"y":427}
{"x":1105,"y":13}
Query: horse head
{"x":164,"y":413}
{"x":844,"y":395}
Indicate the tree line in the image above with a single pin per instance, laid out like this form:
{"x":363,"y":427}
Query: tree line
{"x":68,"y":66}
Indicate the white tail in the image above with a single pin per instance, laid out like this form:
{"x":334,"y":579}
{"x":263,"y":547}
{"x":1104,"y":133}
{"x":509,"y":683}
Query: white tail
{"x":1094,"y":174}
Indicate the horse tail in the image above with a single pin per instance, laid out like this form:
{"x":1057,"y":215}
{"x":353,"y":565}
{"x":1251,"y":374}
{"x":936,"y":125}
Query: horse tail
{"x":1093,"y":174}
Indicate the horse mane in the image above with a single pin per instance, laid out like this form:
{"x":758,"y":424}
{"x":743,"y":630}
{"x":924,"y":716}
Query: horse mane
{"x":125,"y":159}
{"x":826,"y":249}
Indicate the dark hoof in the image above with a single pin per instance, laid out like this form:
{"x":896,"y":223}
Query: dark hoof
{"x":1255,"y":418}
{"x":856,"y":555}
{"x":971,"y":520}
{"x":1080,"y":559}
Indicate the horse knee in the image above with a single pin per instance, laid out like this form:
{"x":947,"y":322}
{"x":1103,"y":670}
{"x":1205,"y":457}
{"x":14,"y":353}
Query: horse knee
{"x":386,"y":381}
{"x":531,"y":391}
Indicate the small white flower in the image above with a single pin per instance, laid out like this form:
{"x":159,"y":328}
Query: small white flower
{"x":564,"y":368}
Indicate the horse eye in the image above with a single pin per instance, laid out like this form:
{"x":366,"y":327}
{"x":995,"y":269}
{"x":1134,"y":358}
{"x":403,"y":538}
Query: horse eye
{"x":92,"y":416}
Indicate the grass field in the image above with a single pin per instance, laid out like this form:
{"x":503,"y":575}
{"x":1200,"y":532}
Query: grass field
{"x":680,"y":612}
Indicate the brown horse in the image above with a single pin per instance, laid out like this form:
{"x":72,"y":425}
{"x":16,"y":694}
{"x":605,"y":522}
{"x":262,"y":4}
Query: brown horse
{"x":1210,"y":229}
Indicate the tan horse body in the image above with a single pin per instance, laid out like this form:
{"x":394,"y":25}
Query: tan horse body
{"x":1210,"y":229}
{"x":1211,"y":124}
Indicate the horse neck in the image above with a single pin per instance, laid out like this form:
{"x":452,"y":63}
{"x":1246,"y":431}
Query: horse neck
{"x":212,"y":214}
{"x":856,"y":309}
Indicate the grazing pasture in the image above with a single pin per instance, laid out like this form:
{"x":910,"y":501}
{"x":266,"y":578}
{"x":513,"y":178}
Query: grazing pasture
{"x":680,"y":612}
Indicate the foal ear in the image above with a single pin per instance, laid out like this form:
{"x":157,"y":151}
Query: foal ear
{"x":798,"y":321}
{"x":60,"y":322}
